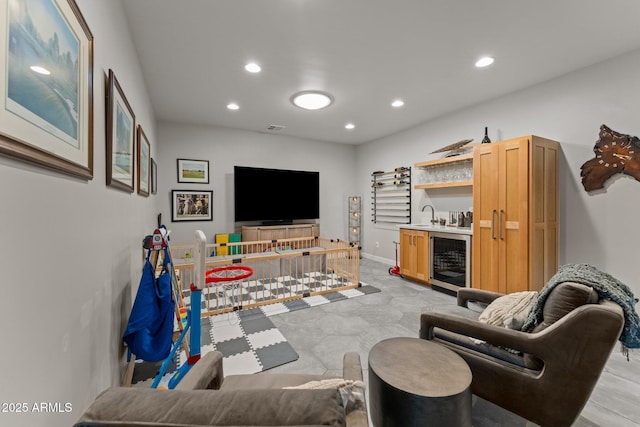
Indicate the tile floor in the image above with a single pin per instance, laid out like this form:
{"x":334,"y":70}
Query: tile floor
{"x":322,"y":334}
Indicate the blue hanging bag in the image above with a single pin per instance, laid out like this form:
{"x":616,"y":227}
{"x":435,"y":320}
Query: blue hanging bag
{"x":149,"y":333}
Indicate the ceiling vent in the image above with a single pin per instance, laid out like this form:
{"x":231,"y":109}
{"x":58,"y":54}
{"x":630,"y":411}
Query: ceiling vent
{"x":275,"y":128}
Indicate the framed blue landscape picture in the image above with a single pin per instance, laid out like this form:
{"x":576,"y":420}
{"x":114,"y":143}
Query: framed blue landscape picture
{"x":144,"y":163}
{"x":121,"y":138}
{"x":46,"y":94}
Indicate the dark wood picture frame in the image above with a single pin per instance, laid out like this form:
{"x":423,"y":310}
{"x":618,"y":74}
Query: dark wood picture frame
{"x":143,"y":154}
{"x":154,"y":177}
{"x":121,"y":136}
{"x":193,"y":171}
{"x":30,"y":132}
{"x":191,"y":205}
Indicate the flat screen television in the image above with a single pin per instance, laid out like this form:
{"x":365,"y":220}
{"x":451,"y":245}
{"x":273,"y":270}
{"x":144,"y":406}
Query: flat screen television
{"x":273,"y":196}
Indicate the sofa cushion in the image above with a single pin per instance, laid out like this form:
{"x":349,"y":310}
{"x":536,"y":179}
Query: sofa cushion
{"x":264,"y":380}
{"x":509,"y":310}
{"x":137,"y":406}
{"x":564,"y":298}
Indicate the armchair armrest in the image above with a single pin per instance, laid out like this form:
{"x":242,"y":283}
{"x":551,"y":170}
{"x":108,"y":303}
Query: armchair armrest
{"x":351,"y":367}
{"x":207,"y":373}
{"x":560,"y":337}
{"x":496,"y":335}
{"x":476,"y":295}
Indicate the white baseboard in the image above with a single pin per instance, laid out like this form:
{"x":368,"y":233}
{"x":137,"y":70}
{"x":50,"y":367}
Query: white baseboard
{"x":378,"y":259}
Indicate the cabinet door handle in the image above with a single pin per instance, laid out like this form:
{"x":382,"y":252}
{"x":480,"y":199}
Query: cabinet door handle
{"x":500,"y":224}
{"x":493,"y":224}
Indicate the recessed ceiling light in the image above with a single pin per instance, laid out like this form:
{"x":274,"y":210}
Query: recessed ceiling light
{"x":312,"y":100}
{"x":252,"y":67}
{"x":233,"y":106}
{"x":349,"y":126}
{"x":484,"y":61}
{"x":397,"y":103}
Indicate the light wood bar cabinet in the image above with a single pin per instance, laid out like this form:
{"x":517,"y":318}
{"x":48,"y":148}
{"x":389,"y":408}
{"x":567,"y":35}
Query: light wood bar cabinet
{"x":414,"y":254}
{"x":515,"y":214}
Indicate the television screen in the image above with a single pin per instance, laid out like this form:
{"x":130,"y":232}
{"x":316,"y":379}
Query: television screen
{"x":275,"y":195}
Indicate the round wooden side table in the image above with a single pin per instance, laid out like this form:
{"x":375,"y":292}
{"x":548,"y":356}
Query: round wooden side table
{"x":415,"y":382}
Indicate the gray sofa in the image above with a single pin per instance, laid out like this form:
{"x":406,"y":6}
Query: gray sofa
{"x":205,"y":397}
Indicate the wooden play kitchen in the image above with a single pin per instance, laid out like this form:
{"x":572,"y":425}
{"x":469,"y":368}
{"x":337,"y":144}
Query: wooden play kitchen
{"x":514,"y":243}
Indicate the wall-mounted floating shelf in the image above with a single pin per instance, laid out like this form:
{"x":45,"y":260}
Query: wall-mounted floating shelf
{"x":443,"y":185}
{"x":455,"y":171}
{"x":391,"y":196}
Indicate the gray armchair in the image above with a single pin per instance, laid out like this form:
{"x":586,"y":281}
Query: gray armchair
{"x":545,"y":376}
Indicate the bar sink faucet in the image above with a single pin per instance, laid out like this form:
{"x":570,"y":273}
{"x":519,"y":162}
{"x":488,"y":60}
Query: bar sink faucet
{"x":433,"y":213}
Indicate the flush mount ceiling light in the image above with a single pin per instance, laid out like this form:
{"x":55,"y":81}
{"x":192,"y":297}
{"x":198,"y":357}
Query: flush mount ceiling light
{"x":252,"y":67}
{"x":233,"y":106}
{"x":484,"y":61}
{"x":397,"y":103}
{"x":349,"y":126}
{"x":312,"y":100}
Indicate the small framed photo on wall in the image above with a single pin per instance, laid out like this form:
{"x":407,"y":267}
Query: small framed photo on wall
{"x":144,"y":160}
{"x":193,"y":171}
{"x":189,"y":205}
{"x":154,"y":177}
{"x":121,"y":138}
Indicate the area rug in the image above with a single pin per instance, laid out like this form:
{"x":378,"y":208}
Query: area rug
{"x":247,"y":339}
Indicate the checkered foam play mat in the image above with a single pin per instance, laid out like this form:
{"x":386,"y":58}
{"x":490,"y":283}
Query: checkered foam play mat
{"x":248,"y":339}
{"x":237,"y":294}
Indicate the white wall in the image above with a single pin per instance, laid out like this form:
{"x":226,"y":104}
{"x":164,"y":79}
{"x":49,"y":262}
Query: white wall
{"x":70,"y":252}
{"x":70,"y":255}
{"x":597,"y":228}
{"x":224,"y":148}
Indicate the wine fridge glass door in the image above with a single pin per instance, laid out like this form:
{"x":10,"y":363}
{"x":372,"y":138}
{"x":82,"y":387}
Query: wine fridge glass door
{"x":450,"y":260}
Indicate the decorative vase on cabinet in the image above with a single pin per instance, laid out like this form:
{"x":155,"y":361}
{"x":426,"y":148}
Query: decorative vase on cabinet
{"x":515,"y":207}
